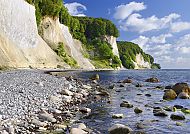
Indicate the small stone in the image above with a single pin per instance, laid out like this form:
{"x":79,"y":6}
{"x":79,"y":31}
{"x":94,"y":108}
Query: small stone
{"x":179,"y":124}
{"x":95,"y":77}
{"x":4,"y":132}
{"x":66,"y":92}
{"x":79,"y":125}
{"x":117,"y":116}
{"x":119,"y":129}
{"x":38,"y":123}
{"x":153,"y":80}
{"x":177,"y":116}
{"x":85,"y":110}
{"x":87,"y":87}
{"x":140,"y":126}
{"x":121,"y":85}
{"x":178,"y":106}
{"x":126,"y":104}
{"x":127,"y":81}
{"x":77,"y":131}
{"x":47,"y":117}
{"x":139,"y":85}
{"x":138,"y":110}
{"x":53,"y":110}
{"x":161,"y":113}
{"x":185,"y":110}
{"x":55,"y":99}
{"x":148,"y":95}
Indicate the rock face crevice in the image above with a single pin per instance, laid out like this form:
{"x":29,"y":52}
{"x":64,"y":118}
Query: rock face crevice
{"x":54,"y":32}
{"x":20,"y":44}
{"x":140,"y":63}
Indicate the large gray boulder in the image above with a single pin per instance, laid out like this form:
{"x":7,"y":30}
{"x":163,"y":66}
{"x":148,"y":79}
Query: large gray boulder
{"x":119,"y":129}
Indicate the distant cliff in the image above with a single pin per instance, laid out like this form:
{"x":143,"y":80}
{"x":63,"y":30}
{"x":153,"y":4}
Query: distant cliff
{"x":133,"y":57}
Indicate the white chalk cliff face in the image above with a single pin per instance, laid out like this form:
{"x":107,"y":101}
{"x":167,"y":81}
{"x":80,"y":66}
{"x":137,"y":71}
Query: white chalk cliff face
{"x":140,"y":63}
{"x":20,"y":44}
{"x":112,"y":41}
{"x":53,"y":32}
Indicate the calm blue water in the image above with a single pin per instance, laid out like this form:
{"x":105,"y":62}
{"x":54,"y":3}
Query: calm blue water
{"x":101,"y":116}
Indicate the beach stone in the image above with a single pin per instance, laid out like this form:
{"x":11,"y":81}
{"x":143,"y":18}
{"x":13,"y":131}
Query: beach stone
{"x":102,"y":93}
{"x":140,"y":125}
{"x":79,"y":125}
{"x":138,"y":110}
{"x":127,"y":81}
{"x":95,"y":77}
{"x":117,"y":116}
{"x":47,"y":117}
{"x":77,"y":131}
{"x":178,"y":106}
{"x":170,"y":108}
{"x":170,"y":95}
{"x":121,"y":85}
{"x":119,"y":129}
{"x":139,"y":85}
{"x":185,"y":110}
{"x":4,"y":132}
{"x":55,"y":99}
{"x":183,"y":95}
{"x":53,"y":110}
{"x":11,"y":129}
{"x":38,"y":123}
{"x":160,"y":113}
{"x":148,"y":95}
{"x":168,"y":87}
{"x":66,"y":92}
{"x":181,"y":87}
{"x":66,"y":98}
{"x":153,"y":80}
{"x":112,"y":86}
{"x":126,"y":104}
{"x":179,"y":124}
{"x":177,"y":116}
{"x":87,"y":87}
{"x":85,"y":110}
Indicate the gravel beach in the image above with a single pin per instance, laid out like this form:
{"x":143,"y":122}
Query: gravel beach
{"x":33,"y":102}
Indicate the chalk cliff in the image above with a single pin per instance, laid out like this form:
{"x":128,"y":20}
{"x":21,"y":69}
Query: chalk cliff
{"x":140,"y":63}
{"x":53,"y":32}
{"x":20,"y":44}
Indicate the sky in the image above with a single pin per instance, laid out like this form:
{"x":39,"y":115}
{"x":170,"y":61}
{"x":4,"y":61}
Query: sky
{"x":160,"y":27}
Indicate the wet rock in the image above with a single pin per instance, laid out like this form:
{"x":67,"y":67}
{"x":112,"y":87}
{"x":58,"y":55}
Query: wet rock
{"x":181,"y":87}
{"x":178,"y":106}
{"x":168,"y":87}
{"x":148,"y":95}
{"x":102,"y":93}
{"x":94,"y":82}
{"x":66,"y":92}
{"x":121,"y":85}
{"x":95,"y":77}
{"x":126,"y":104}
{"x":139,"y":94}
{"x":38,"y":123}
{"x":112,"y":86}
{"x":85,"y":110}
{"x":127,"y":81}
{"x":119,"y":129}
{"x":179,"y":124}
{"x":170,"y":95}
{"x":177,"y":116}
{"x":140,"y":125}
{"x":170,"y":109}
{"x":160,"y":113}
{"x":117,"y":116}
{"x":139,"y":85}
{"x":79,"y":125}
{"x":47,"y":117}
{"x":183,"y":95}
{"x":153,"y":80}
{"x":138,"y":110}
{"x":185,"y":110}
{"x":66,"y":98}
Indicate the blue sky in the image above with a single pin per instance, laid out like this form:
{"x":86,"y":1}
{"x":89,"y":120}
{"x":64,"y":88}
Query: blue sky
{"x":160,"y":27}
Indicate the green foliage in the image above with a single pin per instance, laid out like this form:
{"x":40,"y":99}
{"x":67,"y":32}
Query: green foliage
{"x":64,"y":56}
{"x":128,"y":52}
{"x":156,"y":66}
{"x":4,"y":68}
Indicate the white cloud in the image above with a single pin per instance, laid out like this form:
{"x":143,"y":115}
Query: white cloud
{"x":123,"y":11}
{"x":136,"y":22}
{"x":180,"y":26}
{"x":76,"y":9}
{"x":169,"y":55}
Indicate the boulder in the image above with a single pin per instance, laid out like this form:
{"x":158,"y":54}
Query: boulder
{"x":138,"y":110}
{"x":153,"y":80}
{"x":126,"y":104}
{"x":181,"y":87}
{"x":177,"y":116}
{"x":183,"y":95}
{"x":77,"y":131}
{"x":170,"y":95}
{"x":119,"y":129}
{"x":117,"y":116}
